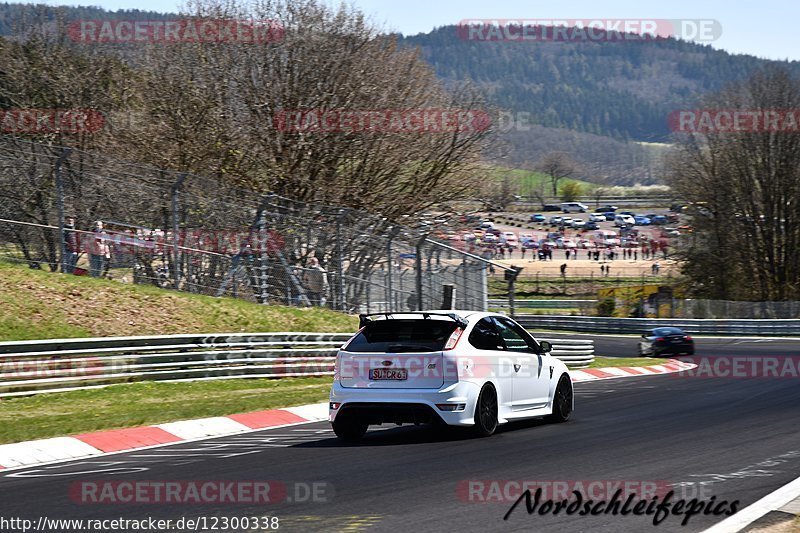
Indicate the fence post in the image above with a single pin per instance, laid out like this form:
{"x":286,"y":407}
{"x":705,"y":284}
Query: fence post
{"x":389,"y":272}
{"x":418,"y":264}
{"x":341,"y":293}
{"x":60,"y":206}
{"x":176,"y":253}
{"x":511,"y":277}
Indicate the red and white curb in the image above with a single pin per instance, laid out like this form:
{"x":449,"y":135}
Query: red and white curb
{"x":56,"y":449}
{"x":99,"y":443}
{"x":594,"y":374}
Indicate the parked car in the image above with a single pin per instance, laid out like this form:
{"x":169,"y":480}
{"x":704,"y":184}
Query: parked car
{"x":641,"y":220}
{"x":590,"y":225}
{"x":555,"y":220}
{"x":538,"y":217}
{"x":610,"y":215}
{"x":566,"y":221}
{"x":658,"y":220}
{"x":577,"y":223}
{"x":597,"y":217}
{"x":486,"y":225}
{"x":490,"y":238}
{"x":509,"y":239}
{"x":605,"y":238}
{"x":606,"y":209}
{"x":574,"y":207}
{"x":566,"y":243}
{"x":551,"y":207}
{"x":445,"y":367}
{"x":663,"y":340}
{"x":624,"y":220}
{"x":629,"y":213}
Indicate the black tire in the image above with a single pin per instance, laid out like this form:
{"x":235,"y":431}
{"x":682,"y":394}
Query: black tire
{"x":486,"y":412}
{"x":562,"y":401}
{"x":349,"y":429}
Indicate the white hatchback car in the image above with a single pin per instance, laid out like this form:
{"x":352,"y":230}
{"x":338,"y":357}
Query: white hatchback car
{"x":458,"y":368}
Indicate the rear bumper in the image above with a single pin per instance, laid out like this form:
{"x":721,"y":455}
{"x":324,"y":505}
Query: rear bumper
{"x":406,"y":406}
{"x":673,"y":348}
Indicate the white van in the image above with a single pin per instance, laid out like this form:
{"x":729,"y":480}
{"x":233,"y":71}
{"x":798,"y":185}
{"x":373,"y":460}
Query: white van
{"x":621,"y":221}
{"x":606,"y":237}
{"x":574,"y":207}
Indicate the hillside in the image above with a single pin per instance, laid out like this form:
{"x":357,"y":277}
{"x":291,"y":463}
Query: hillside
{"x":37,"y":305}
{"x":590,"y":98}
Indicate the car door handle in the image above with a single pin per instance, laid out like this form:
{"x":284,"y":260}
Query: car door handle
{"x":517,"y":367}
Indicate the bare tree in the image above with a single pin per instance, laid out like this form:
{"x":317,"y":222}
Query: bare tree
{"x":557,"y":166}
{"x":743,"y":189}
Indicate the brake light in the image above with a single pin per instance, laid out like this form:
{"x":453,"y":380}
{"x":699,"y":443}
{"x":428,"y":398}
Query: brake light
{"x":659,"y":339}
{"x":453,"y":340}
{"x":688,"y":337}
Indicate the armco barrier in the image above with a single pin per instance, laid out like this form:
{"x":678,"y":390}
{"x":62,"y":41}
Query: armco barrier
{"x":591,"y":324}
{"x":36,"y":367}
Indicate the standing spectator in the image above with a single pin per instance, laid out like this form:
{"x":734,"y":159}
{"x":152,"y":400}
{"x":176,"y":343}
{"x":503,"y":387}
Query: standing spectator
{"x":608,"y":270}
{"x":563,"y":270}
{"x":522,"y":249}
{"x":99,"y":250}
{"x":635,"y":255}
{"x":70,"y":245}
{"x":656,"y":268}
{"x":315,"y":281}
{"x":602,"y":269}
{"x":567,"y":253}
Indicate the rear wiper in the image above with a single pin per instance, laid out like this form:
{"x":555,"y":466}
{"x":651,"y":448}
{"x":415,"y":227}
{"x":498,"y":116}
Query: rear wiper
{"x":400,"y":348}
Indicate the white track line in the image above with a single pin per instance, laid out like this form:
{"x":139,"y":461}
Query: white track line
{"x":771,"y":502}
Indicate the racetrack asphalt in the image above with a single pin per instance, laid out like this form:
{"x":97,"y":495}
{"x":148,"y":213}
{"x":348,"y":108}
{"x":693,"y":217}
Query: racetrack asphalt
{"x":711,"y":438}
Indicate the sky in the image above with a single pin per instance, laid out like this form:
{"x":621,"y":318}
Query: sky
{"x":767,"y":28}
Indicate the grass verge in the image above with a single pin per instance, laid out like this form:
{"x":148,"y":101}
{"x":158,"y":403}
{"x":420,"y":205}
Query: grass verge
{"x":601,"y":362}
{"x":41,"y":305}
{"x":139,"y":404}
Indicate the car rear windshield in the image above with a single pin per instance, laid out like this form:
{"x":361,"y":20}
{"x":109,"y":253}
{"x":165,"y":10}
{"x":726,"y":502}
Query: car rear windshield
{"x":662,"y":332}
{"x":399,"y":336}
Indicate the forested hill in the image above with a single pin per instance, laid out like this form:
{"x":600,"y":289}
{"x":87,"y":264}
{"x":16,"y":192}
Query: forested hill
{"x":12,"y":14}
{"x":618,"y":89}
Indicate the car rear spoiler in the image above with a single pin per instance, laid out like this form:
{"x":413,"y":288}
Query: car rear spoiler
{"x":364,"y":318}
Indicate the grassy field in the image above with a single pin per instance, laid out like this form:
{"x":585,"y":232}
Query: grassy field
{"x":137,"y":404}
{"x":38,"y":305}
{"x":528,"y":181}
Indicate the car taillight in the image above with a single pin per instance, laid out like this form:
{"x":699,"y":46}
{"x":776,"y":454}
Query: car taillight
{"x":453,"y":340}
{"x":687,"y":338}
{"x":659,"y":339}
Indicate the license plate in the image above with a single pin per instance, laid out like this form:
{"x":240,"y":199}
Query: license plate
{"x":389,"y":374}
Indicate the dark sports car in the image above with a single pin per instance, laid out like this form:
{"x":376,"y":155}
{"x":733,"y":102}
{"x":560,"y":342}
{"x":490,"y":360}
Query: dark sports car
{"x":659,"y":341}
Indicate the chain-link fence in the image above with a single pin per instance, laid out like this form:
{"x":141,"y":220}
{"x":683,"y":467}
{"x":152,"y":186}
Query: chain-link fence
{"x":205,"y":235}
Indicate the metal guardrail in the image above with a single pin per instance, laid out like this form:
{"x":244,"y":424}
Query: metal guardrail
{"x":590,"y":324}
{"x":37,"y":367}
{"x":542,"y":304}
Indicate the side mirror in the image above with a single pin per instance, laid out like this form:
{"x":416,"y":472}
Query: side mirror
{"x":545,"y":347}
